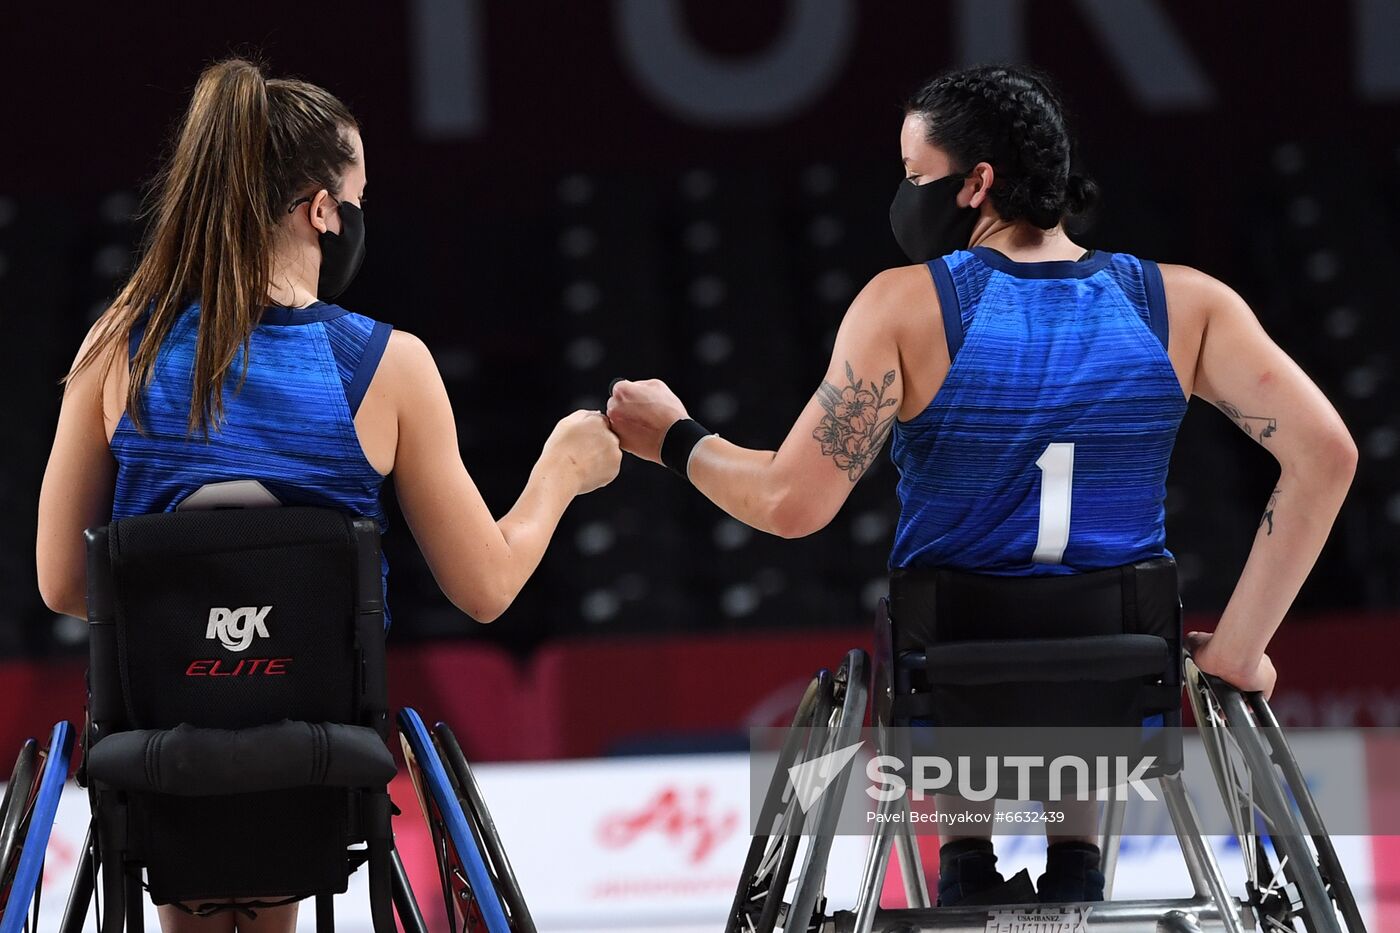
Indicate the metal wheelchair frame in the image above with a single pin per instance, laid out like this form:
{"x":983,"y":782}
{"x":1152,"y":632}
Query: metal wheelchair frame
{"x":479,"y":886}
{"x":1296,"y":882}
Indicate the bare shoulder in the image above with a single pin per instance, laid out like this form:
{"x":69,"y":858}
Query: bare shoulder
{"x":405,"y":347}
{"x":408,"y":374}
{"x":1199,"y":304}
{"x":1191,"y":289}
{"x":407,"y":358}
{"x":101,"y":377}
{"x":889,"y":298}
{"x":902,"y":284}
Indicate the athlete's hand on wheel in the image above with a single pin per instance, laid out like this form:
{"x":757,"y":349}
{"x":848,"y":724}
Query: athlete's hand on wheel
{"x":641,"y":413}
{"x":584,"y":447}
{"x":1257,"y":678}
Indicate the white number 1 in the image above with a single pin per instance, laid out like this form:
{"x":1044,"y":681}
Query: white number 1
{"x":1056,"y":482}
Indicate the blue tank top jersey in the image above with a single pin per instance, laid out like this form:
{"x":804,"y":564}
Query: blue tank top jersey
{"x":1045,"y":450}
{"x":290,"y":427}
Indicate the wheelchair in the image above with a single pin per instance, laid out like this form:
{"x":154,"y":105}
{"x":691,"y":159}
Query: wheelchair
{"x":235,"y":748}
{"x":956,"y":651}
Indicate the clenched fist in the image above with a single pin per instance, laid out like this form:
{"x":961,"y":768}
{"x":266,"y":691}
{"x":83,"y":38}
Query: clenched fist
{"x":1258,"y":677}
{"x":585,"y":448}
{"x":641,"y":413}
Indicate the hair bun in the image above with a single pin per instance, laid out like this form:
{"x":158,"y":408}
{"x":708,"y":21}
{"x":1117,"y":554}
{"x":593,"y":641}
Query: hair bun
{"x":1081,"y":193}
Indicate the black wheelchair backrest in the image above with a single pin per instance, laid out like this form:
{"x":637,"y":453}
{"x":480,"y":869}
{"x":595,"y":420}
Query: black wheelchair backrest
{"x":1101,"y":648}
{"x":236,"y":618}
{"x":236,"y":693}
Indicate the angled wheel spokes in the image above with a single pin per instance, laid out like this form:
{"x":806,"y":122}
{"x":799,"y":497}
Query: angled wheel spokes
{"x":1294,"y":876}
{"x":828,"y":718}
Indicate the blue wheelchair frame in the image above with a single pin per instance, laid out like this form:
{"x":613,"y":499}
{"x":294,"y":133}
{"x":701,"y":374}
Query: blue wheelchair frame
{"x":24,"y":889}
{"x":430,"y":775}
{"x":465,"y":845}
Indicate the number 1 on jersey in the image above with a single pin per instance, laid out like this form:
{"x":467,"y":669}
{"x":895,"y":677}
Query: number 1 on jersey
{"x":1056,"y":482}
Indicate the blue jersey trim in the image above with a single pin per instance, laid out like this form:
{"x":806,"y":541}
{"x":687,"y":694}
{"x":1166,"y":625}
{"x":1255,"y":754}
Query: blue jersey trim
{"x":369,"y":362}
{"x":316,"y":311}
{"x":1054,"y":269}
{"x":948,"y":302}
{"x":274,"y":314}
{"x":133,"y":339}
{"x":1156,"y":299}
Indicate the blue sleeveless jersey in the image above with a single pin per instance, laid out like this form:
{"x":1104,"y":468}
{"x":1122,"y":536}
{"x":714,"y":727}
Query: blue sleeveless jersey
{"x":291,"y":426}
{"x":1045,"y":450}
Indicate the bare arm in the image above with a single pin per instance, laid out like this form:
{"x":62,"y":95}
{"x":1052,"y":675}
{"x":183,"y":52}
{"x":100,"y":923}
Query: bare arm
{"x":76,"y":493}
{"x":797,"y":489}
{"x":480,"y":563}
{"x":1244,"y":374}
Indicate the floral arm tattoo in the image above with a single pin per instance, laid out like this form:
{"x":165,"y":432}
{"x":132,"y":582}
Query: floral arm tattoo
{"x":856,"y":422}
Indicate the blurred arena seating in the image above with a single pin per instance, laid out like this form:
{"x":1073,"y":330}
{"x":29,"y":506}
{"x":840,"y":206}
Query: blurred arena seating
{"x":730,"y":284}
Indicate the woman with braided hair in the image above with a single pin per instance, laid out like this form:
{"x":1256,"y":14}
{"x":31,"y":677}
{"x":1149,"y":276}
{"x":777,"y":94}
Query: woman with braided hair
{"x":1034,"y":389}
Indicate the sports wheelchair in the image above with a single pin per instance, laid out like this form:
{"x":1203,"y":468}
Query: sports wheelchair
{"x":1097,"y":650}
{"x":235,"y":750}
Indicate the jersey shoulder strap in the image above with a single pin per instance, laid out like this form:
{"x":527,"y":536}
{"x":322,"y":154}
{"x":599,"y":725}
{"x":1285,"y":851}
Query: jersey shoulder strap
{"x":1140,"y":280}
{"x":960,"y":282}
{"x":358,"y":344}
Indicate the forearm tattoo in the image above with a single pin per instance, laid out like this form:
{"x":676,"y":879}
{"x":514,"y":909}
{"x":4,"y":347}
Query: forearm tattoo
{"x":1258,"y":427}
{"x":858,"y":419}
{"x":1269,"y":511}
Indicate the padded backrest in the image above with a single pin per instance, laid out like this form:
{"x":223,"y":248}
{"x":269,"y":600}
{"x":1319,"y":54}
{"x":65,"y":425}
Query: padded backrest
{"x":938,"y":606}
{"x":235,"y":618}
{"x":1093,"y":649}
{"x":231,"y":619}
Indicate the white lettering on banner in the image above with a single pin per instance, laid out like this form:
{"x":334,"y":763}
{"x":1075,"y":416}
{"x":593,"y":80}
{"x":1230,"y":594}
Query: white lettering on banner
{"x":448,"y":68}
{"x":449,"y":57}
{"x":801,"y":63}
{"x":1151,"y":56}
{"x":1376,"y":34}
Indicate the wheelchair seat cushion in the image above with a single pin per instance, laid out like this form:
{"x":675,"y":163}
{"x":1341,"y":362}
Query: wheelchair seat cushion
{"x":192,"y":762}
{"x":1046,"y":660}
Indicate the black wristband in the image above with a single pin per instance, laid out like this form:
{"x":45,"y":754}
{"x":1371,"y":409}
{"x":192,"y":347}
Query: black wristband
{"x":680,"y":440}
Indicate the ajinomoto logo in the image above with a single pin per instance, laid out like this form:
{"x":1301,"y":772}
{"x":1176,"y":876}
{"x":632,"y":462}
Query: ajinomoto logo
{"x":236,"y":628}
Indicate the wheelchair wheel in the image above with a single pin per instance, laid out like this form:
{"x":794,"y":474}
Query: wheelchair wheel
{"x":37,"y":805}
{"x":852,"y":691}
{"x":1292,"y":873}
{"x":773,"y":850}
{"x":483,"y":828}
{"x":466,"y":883}
{"x":19,"y":797}
{"x":1328,"y":864}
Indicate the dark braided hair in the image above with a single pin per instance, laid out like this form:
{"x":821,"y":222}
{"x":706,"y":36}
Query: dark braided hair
{"x":1011,"y":118}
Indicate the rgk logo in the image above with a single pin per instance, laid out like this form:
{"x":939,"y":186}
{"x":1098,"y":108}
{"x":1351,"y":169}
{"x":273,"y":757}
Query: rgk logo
{"x":236,"y":628}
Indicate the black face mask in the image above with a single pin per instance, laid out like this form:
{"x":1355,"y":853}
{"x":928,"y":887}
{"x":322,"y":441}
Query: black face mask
{"x":342,"y":253}
{"x":927,"y":221}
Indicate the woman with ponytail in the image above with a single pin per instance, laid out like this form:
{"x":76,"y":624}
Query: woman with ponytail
{"x":1033,"y":389}
{"x":224,"y":372}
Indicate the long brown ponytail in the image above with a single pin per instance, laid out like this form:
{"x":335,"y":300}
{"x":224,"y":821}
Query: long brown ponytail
{"x":246,"y":146}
